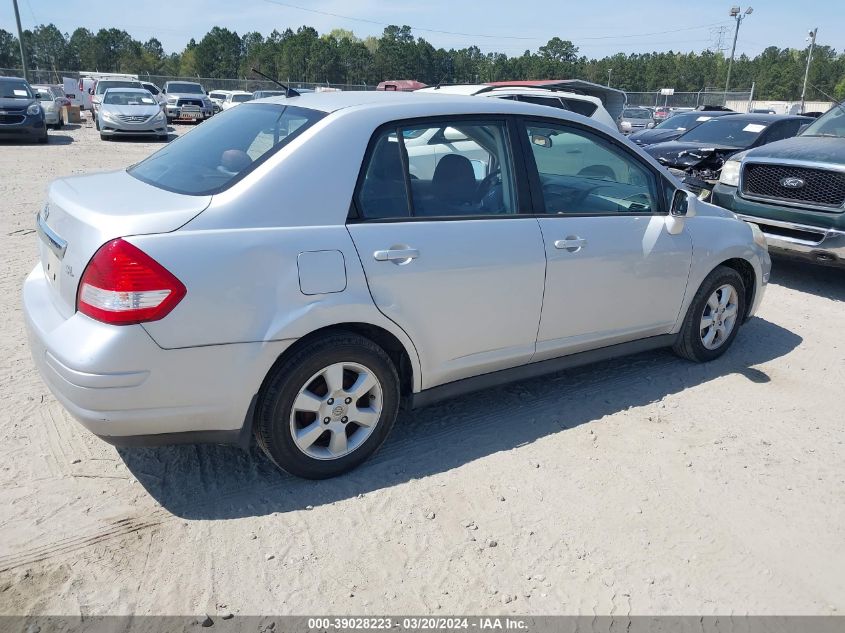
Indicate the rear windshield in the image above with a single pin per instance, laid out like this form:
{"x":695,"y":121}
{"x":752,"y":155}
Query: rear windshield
{"x":183,"y":88}
{"x":217,"y":95}
{"x":224,"y":149}
{"x":102,"y":86}
{"x":727,"y":130}
{"x":636,"y":114}
{"x":241,"y":98}
{"x":685,"y":121}
{"x":15,"y":89}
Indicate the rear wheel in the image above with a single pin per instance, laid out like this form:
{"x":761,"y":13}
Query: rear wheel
{"x":328,"y":407}
{"x":714,"y":316}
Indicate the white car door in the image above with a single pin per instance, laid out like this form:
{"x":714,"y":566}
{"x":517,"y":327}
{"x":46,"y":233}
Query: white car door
{"x":448,"y":258}
{"x":615,"y":273}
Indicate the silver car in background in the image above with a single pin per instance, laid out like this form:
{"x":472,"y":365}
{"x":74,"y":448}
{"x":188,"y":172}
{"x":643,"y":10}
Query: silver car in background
{"x":279,"y":271}
{"x":131,"y":112}
{"x":635,"y":119}
{"x":51,"y":104}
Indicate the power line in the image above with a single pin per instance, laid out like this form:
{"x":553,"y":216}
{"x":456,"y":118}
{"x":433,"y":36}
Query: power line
{"x":501,"y":37}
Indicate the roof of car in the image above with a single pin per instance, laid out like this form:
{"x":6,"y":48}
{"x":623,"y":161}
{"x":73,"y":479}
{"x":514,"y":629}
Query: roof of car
{"x":758,"y":118}
{"x":399,"y":105}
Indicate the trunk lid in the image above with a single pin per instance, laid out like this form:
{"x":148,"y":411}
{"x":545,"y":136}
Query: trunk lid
{"x":84,"y":212}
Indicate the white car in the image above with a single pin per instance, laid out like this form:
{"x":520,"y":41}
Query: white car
{"x":281,"y":272}
{"x":50,"y":103}
{"x":155,"y":91}
{"x":584,"y":105}
{"x":217,"y":98}
{"x":234,"y":98}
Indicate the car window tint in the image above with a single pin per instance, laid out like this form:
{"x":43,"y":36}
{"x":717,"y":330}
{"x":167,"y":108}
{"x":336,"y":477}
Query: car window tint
{"x":584,"y":108}
{"x":457,"y":169}
{"x":582,"y":173}
{"x":546,"y":101}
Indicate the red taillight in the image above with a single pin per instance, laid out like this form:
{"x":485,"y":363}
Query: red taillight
{"x":123,"y":285}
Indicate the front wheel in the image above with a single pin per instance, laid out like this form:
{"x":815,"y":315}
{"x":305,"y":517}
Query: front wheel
{"x":714,"y":316}
{"x":328,"y":407}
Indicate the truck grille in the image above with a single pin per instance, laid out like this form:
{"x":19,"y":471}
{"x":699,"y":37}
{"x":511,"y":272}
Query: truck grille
{"x":190,"y":102}
{"x":818,"y":187}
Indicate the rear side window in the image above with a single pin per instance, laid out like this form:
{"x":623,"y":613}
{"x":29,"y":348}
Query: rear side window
{"x":584,"y":108}
{"x":444,"y":169}
{"x":224,"y":149}
{"x":552,"y":102}
{"x":151,"y":88}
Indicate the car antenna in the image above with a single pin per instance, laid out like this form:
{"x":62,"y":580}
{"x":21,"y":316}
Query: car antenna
{"x":289,"y":92}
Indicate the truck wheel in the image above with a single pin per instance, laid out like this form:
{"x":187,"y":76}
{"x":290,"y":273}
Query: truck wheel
{"x":714,"y":316}
{"x":328,"y":407}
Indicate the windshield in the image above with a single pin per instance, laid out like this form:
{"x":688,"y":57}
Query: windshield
{"x":102,"y":86}
{"x":685,"y":121}
{"x":241,"y":98}
{"x":128,"y":98}
{"x":44,"y":93}
{"x":224,"y":149}
{"x":832,"y":123}
{"x":728,"y":131}
{"x":15,"y":89}
{"x":636,"y":114}
{"x":185,"y":88}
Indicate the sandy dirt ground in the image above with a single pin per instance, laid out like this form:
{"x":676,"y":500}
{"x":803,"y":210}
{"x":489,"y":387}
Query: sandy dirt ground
{"x":646,"y":485}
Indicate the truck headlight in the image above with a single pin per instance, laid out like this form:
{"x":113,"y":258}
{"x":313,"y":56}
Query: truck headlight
{"x":730,"y":173}
{"x":34,"y":109}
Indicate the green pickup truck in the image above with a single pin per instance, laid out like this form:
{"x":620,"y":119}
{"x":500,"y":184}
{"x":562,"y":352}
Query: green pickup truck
{"x":794,"y":190}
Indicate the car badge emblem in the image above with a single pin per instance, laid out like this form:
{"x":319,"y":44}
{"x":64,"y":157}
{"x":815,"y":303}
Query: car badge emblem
{"x":792,"y":183}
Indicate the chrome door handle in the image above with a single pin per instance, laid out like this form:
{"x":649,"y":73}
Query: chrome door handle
{"x":399,"y":255}
{"x":572,"y":243}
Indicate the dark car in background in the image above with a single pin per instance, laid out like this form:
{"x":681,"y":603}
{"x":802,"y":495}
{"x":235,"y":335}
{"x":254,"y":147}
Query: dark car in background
{"x":794,"y":190}
{"x":697,"y":156}
{"x":21,"y":115}
{"x":673,"y":127}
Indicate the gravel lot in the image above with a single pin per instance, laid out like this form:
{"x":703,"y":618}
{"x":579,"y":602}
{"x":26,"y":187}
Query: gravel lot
{"x":647,"y":485}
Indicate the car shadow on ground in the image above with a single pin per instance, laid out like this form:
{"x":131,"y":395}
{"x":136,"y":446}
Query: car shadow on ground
{"x":824,"y":281}
{"x":220,"y":482}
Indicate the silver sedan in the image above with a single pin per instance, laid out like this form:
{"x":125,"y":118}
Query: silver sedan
{"x":130,"y":112}
{"x":295,"y":268}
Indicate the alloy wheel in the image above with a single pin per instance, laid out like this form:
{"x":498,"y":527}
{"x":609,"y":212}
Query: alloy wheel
{"x":719,"y":317}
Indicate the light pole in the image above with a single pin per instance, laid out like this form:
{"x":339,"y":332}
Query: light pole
{"x":812,"y":38}
{"x":20,"y":39}
{"x":609,"y":71}
{"x":739,"y":16}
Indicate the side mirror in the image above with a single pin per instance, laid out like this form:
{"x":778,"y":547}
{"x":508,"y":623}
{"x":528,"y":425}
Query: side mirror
{"x":680,"y":203}
{"x":452,"y":135}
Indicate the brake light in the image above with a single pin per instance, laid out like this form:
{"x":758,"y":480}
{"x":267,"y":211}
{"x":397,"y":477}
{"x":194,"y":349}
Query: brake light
{"x":123,"y":285}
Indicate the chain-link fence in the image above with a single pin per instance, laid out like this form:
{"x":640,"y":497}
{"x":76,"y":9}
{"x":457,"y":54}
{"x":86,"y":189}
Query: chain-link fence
{"x":703,"y":97}
{"x":209,"y":83}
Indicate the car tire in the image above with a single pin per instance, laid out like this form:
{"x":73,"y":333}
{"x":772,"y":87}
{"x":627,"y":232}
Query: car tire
{"x":96,"y":123}
{"x":163,"y":138}
{"x":43,"y":139}
{"x":713,"y":318}
{"x":104,"y":137}
{"x":282,"y":427}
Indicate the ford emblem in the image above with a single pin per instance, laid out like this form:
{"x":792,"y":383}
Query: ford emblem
{"x":792,"y":183}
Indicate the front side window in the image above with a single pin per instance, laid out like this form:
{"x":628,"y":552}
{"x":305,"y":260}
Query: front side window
{"x":224,"y":149}
{"x":448,"y":169}
{"x":581,"y":173}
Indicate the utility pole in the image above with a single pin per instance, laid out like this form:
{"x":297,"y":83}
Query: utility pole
{"x":609,"y":71}
{"x":812,"y":39}
{"x":20,"y":39}
{"x":739,"y":16}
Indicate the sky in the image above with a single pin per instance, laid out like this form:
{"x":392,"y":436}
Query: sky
{"x":597,"y":27}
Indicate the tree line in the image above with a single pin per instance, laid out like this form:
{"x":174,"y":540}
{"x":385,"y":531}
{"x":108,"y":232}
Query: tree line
{"x":340,"y":57}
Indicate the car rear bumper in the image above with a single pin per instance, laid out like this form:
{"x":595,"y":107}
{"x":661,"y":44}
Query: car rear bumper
{"x":126,"y":389}
{"x":797,"y":240}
